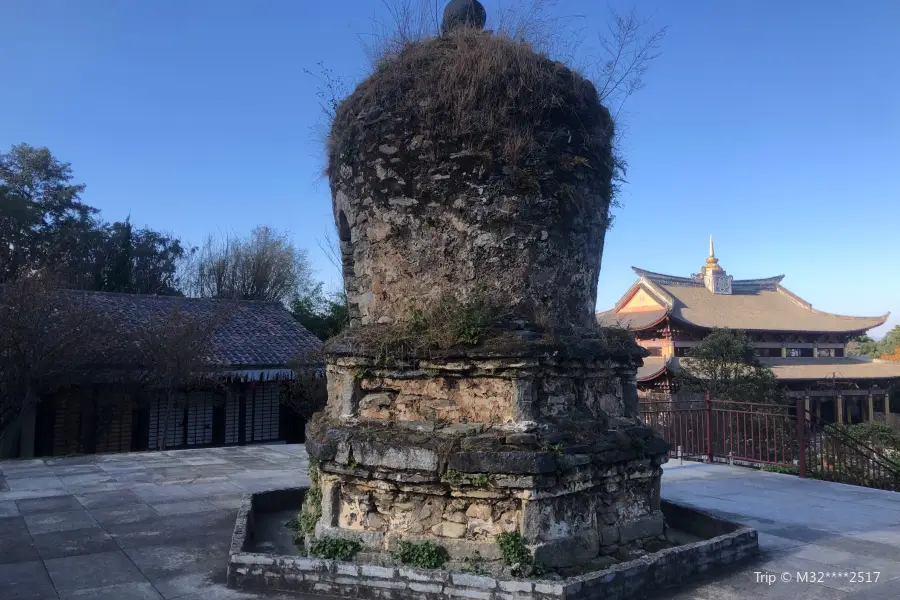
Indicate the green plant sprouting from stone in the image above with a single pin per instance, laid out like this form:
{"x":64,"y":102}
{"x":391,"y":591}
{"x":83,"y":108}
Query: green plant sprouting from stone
{"x":481,"y":480}
{"x":311,"y":510}
{"x":453,"y":477}
{"x":516,"y":555}
{"x":474,"y":564}
{"x":456,"y":478}
{"x":335,"y":548}
{"x":426,"y":555}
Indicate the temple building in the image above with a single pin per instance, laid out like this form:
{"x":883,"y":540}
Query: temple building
{"x":805,"y":348}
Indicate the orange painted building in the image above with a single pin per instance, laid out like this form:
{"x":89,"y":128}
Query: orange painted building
{"x":805,"y":348}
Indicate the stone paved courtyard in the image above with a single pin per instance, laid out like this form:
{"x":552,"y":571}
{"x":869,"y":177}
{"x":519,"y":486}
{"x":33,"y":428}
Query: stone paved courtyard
{"x":158,"y":525}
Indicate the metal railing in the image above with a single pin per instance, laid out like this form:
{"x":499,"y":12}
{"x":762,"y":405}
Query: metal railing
{"x":759,"y":435}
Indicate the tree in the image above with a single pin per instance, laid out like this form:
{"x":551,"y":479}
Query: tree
{"x":324,"y":316}
{"x":307,"y":392}
{"x":172,"y":354}
{"x":863,"y":346}
{"x":44,"y":223}
{"x":726,"y":366}
{"x":266,"y":265}
{"x":41,"y":212}
{"x":886,"y":346}
{"x":893,"y":355}
{"x":48,"y":338}
{"x":889,"y":345}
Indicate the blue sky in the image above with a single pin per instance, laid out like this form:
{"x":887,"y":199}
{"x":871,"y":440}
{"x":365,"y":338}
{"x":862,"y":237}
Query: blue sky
{"x":774,"y":126}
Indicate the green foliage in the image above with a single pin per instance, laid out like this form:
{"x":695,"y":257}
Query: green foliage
{"x":474,"y":564}
{"x":726,"y":366}
{"x":360,"y":373}
{"x":783,"y":469}
{"x":454,"y":477}
{"x":441,"y":325}
{"x":311,"y":511}
{"x":335,"y":548}
{"x":323,"y":315}
{"x":516,"y":555}
{"x":863,"y":346}
{"x":481,"y":479}
{"x":866,"y":346}
{"x":478,"y":479}
{"x":44,"y":223}
{"x":878,"y":435}
{"x":426,"y":555}
{"x":450,"y":322}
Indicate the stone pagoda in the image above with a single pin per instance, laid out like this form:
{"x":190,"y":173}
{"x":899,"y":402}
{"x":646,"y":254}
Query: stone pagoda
{"x":473,"y":393}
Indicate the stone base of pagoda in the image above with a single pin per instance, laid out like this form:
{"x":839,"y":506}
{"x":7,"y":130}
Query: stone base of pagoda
{"x":542,"y":441}
{"x":383,"y":484}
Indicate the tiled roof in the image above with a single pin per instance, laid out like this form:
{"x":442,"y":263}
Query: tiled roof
{"x":795,"y":369}
{"x":848,"y":367}
{"x":654,"y":366}
{"x":754,"y":304}
{"x":633,"y":321}
{"x":252,"y":335}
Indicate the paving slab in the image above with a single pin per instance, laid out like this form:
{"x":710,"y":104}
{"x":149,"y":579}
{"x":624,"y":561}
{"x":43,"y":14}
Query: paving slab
{"x":208,"y":489}
{"x":89,"y":571}
{"x":105,"y":499}
{"x":179,"y":570}
{"x":183,"y":508}
{"x":9,"y":508}
{"x":121,"y":591}
{"x":34,"y":506}
{"x":16,"y":545}
{"x":73,"y":542}
{"x":26,"y":581}
{"x":152,"y":492}
{"x":123,"y":515}
{"x":59,"y":521}
{"x":77,"y":469}
{"x":27,"y":483}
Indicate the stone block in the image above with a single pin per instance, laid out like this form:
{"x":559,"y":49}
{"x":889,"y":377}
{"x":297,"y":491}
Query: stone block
{"x":578,"y":548}
{"x":511,"y":463}
{"x":474,"y":581}
{"x":464,"y":593}
{"x":417,"y":575}
{"x":647,"y":527}
{"x":347,"y":569}
{"x":550,"y":588}
{"x":378,"y":572}
{"x":404,"y":458}
{"x":524,"y":400}
{"x":426,"y":588}
{"x":385,"y":584}
{"x":525,"y":587}
{"x":609,"y":535}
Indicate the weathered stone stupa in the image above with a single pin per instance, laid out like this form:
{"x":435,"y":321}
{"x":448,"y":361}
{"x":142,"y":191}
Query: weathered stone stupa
{"x":473,"y":393}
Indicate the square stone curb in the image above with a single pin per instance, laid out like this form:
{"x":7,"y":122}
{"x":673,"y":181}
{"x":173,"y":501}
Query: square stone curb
{"x":254,"y":571}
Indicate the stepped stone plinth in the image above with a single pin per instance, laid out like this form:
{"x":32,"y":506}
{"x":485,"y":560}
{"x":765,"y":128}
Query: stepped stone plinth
{"x":473,"y":393}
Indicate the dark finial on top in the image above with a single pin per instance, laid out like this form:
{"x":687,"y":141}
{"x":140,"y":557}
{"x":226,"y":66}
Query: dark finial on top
{"x":463,"y":13}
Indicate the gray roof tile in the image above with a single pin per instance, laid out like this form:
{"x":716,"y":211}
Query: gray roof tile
{"x":253,"y":334}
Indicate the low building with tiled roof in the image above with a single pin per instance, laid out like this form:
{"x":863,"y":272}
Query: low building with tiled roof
{"x":804,"y":347}
{"x":251,"y":352}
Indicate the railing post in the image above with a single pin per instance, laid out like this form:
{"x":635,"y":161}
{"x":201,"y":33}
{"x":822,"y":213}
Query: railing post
{"x":709,"y":446}
{"x":800,"y":432}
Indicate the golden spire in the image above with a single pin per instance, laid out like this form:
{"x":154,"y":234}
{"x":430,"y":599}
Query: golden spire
{"x":712,"y":262}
